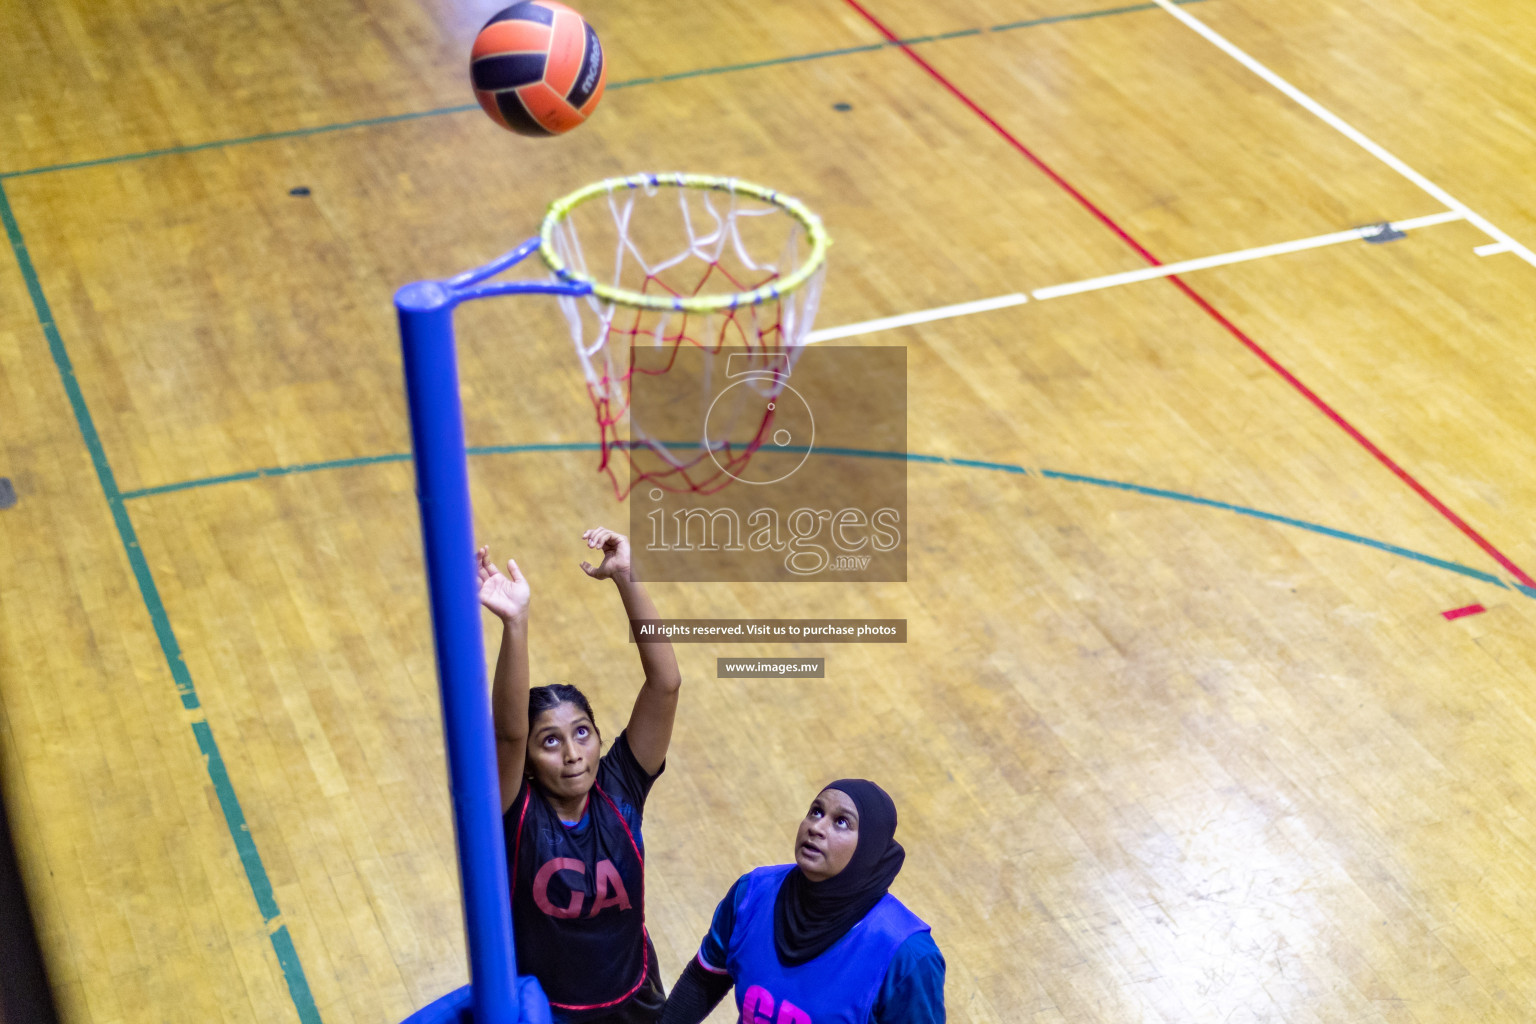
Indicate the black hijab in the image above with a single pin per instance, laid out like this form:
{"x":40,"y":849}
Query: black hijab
{"x":808,"y":917}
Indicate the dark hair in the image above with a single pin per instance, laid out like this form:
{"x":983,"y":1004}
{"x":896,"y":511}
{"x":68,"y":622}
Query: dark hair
{"x":545,"y":698}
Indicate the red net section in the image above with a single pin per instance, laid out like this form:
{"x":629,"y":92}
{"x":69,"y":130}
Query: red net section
{"x":653,"y":343}
{"x":683,"y":400}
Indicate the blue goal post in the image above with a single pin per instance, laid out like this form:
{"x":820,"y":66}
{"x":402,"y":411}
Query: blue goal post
{"x":425,"y":312}
{"x":788,"y":288}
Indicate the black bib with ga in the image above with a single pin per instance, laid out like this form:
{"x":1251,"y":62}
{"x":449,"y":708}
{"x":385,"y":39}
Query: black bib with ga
{"x":578,"y":893}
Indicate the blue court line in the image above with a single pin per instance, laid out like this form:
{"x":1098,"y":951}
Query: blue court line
{"x":627,"y":83}
{"x":1002,"y":466}
{"x":234,"y":817}
{"x":865,"y":453}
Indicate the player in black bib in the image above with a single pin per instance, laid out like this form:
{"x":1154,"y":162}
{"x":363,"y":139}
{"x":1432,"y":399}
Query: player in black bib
{"x":575,"y":856}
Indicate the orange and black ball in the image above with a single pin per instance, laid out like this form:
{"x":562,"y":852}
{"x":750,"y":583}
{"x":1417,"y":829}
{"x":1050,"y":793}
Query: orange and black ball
{"x":537,"y":68}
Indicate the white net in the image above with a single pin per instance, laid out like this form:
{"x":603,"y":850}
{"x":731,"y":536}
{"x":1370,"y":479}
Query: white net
{"x":708,"y":281}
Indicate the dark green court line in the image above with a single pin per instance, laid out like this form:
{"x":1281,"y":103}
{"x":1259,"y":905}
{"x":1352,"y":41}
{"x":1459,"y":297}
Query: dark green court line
{"x":234,"y":818}
{"x":1326,"y":531}
{"x":293,"y":133}
{"x":722,"y":69}
{"x":1001,"y":467}
{"x":366,"y":460}
{"x":940,"y":37}
{"x":513,"y":449}
{"x":303,"y":467}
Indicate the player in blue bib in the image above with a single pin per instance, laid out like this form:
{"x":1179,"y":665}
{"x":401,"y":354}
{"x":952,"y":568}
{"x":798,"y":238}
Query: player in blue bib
{"x":822,"y":940}
{"x":575,"y":855}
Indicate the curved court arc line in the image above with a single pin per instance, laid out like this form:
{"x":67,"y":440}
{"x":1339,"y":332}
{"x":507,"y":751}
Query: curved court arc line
{"x":1280,"y":370}
{"x":942,"y":460}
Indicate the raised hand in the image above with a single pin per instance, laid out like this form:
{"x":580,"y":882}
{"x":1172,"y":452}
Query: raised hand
{"x":506,"y":596}
{"x":615,"y":547}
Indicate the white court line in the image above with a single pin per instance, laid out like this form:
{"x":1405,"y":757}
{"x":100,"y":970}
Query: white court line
{"x":1491,"y":248}
{"x":1241,"y":256}
{"x":920,"y":317}
{"x":1149,"y":273}
{"x":1348,"y":131}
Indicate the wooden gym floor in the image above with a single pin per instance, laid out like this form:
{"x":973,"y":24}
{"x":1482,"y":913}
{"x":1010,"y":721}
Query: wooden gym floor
{"x":1182,"y":732}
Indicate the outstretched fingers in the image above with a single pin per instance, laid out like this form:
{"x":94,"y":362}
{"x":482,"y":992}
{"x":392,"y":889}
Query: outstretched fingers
{"x":595,"y":538}
{"x":599,"y":537}
{"x":615,"y":549}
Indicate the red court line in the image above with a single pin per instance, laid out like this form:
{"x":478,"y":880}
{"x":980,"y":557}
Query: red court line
{"x":1253,"y":346}
{"x":1460,"y":613}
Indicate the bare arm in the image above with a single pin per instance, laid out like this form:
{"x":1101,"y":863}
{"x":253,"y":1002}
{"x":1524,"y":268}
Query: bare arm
{"x":650,"y":721}
{"x":508,"y":598}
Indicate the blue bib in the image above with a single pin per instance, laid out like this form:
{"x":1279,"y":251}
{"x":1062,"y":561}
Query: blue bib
{"x":838,"y":987}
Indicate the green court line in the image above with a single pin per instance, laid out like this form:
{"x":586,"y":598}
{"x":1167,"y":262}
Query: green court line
{"x":513,"y":449}
{"x":304,"y":467}
{"x":628,"y":83}
{"x":1327,"y":531}
{"x":234,"y":818}
{"x":678,"y":76}
{"x":861,"y":453}
{"x":293,"y":133}
{"x":1001,"y":467}
{"x":941,"y":37}
{"x":365,"y":460}
{"x":282,"y":942}
{"x":496,"y":449}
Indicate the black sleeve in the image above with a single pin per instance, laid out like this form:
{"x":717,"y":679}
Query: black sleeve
{"x":620,"y":774}
{"x":696,"y":993}
{"x":702,"y":984}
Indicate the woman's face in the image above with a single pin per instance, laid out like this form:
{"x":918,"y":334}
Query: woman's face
{"x":827,"y":836}
{"x":563,"y":749}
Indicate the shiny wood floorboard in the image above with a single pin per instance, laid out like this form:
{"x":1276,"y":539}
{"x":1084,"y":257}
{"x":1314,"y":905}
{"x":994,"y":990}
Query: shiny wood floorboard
{"x":1180,"y":733}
